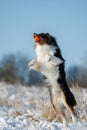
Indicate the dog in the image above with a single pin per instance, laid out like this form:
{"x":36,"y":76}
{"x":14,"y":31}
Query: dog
{"x":52,"y":66}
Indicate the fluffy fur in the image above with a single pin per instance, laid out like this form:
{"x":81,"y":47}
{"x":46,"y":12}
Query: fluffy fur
{"x":51,"y":64}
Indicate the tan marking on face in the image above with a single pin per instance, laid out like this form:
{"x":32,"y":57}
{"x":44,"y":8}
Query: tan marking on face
{"x":41,"y":41}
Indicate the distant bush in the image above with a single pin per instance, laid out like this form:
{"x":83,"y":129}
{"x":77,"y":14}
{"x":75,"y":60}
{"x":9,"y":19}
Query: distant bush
{"x":14,"y":69}
{"x":77,"y":75}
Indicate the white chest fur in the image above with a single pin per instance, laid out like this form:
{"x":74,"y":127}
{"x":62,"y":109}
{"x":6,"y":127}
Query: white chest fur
{"x":47,"y":69}
{"x":42,"y":50}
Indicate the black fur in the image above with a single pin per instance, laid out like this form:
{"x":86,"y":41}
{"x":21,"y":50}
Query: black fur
{"x":64,"y":86}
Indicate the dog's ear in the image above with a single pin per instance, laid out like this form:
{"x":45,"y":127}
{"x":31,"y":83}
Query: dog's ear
{"x":48,"y":35}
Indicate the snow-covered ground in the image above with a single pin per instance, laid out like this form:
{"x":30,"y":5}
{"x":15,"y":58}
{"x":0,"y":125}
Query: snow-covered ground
{"x":28,"y":108}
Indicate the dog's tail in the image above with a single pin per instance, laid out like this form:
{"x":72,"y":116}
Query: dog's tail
{"x":70,"y":99}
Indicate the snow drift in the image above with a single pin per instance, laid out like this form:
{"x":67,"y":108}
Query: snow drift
{"x":29,"y":108}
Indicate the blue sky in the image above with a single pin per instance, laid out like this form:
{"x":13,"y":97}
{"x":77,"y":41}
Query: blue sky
{"x":64,"y":19}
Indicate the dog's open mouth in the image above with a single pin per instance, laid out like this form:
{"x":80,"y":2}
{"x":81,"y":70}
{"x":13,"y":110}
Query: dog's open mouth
{"x":36,"y":37}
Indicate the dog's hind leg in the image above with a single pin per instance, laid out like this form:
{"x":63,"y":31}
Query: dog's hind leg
{"x":65,"y":123}
{"x":51,"y":99}
{"x":59,"y":109}
{"x":72,"y":112}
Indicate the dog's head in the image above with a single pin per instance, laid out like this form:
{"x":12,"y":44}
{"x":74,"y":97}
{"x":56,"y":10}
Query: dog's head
{"x":47,"y":39}
{"x":44,"y":38}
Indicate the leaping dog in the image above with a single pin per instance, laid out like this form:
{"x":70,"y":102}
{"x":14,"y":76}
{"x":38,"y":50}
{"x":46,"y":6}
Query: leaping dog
{"x":51,"y":64}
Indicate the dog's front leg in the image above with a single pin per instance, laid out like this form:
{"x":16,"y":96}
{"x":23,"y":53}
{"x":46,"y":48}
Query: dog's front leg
{"x":53,"y":60}
{"x":34,"y":65}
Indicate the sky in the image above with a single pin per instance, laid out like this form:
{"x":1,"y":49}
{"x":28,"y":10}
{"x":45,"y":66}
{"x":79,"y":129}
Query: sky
{"x":66,"y":20}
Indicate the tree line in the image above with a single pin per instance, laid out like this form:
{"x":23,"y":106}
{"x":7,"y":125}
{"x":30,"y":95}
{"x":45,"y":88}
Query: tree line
{"x":14,"y":69}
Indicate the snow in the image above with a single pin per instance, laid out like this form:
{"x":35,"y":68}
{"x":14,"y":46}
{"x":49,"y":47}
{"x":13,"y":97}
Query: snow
{"x":22,"y":108}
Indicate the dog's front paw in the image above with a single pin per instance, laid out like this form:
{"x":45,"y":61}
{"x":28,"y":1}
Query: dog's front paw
{"x":31,"y":63}
{"x":34,"y":65}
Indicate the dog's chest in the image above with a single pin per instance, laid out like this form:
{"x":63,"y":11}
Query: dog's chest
{"x":51,"y":72}
{"x":42,"y":50}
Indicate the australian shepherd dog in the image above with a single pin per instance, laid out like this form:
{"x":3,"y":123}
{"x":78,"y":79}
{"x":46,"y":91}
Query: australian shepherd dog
{"x":51,"y":64}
